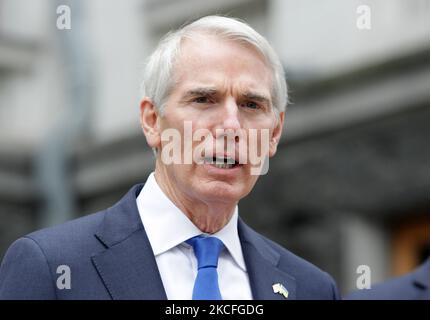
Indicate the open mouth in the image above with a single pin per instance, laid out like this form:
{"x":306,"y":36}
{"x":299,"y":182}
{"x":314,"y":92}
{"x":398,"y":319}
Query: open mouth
{"x":222,"y":162}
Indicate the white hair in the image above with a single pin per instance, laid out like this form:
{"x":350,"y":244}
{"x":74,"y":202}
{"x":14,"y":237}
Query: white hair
{"x":158,"y":79}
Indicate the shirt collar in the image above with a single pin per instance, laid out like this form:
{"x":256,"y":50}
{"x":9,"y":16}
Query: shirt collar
{"x":167,"y":226}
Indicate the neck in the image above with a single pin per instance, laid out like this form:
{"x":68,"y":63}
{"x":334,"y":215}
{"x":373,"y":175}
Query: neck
{"x":208,"y":216}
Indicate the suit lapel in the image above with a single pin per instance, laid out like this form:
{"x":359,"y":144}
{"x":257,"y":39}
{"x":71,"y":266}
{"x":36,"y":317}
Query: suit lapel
{"x":129,"y":271}
{"x":262,"y":266}
{"x":127,"y":267}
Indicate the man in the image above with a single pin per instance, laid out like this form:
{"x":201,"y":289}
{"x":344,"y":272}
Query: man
{"x":411,"y":286}
{"x":179,"y":235}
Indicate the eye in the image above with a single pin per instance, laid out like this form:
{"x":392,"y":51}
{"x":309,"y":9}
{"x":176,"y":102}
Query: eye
{"x":250,"y":105}
{"x":201,"y":100}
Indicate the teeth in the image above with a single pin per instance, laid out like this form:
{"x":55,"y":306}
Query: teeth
{"x":220,"y":160}
{"x":209,"y":160}
{"x":224,"y":160}
{"x":223,"y":165}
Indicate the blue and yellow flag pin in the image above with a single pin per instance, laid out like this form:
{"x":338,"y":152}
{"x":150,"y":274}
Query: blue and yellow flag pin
{"x":279,"y":288}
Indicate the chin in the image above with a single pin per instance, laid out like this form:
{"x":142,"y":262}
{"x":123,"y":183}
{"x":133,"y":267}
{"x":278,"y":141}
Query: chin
{"x":221,"y":191}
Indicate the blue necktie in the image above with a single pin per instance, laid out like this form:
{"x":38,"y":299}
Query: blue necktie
{"x":207,"y":250}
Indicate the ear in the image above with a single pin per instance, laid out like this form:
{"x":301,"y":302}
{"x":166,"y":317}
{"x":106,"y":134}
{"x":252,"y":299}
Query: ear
{"x":276,"y":134}
{"x":149,"y":122}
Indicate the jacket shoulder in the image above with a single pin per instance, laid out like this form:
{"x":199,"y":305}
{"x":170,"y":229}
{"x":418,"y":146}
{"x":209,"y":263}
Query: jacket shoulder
{"x":312,"y":282}
{"x":30,"y":266}
{"x":74,"y":231}
{"x":400,"y":288}
{"x":25,"y":273}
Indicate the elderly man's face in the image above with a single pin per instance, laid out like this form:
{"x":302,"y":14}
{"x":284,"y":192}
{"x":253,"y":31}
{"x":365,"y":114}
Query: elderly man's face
{"x":221,"y":85}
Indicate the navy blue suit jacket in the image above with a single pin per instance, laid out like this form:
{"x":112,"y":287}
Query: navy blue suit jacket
{"x":110,"y":257}
{"x":412,"y":286}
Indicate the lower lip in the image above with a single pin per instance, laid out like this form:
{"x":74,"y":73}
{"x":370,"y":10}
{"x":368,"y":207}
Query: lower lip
{"x":224,"y":172}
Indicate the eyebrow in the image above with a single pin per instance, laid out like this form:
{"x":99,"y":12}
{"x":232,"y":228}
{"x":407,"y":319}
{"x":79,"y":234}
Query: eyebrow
{"x":202,"y":91}
{"x":256,"y":97}
{"x":210,"y":91}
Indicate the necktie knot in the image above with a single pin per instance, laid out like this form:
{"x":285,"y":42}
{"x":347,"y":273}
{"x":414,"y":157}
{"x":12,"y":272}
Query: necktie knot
{"x":206,"y":250}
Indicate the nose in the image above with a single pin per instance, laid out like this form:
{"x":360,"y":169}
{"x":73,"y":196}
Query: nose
{"x":231,"y":115}
{"x":229,"y":126}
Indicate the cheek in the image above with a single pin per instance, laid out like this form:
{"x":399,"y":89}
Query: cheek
{"x":266,"y":132}
{"x":258,"y":141}
{"x":183,"y":174}
{"x":248,"y":184}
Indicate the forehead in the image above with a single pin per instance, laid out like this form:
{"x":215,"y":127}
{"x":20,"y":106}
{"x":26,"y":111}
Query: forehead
{"x":210,"y":60}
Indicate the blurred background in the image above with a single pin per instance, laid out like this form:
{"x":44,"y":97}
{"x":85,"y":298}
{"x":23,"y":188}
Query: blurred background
{"x":350,"y":184}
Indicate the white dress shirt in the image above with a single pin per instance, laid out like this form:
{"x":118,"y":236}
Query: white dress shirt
{"x":168,"y":227}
